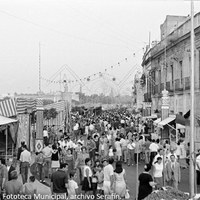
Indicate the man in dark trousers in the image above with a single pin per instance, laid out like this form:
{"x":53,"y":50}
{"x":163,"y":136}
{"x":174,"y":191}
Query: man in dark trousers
{"x":19,"y":154}
{"x":20,"y":150}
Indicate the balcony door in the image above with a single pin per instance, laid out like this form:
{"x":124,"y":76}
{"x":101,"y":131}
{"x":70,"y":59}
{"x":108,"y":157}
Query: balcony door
{"x":181,"y":71}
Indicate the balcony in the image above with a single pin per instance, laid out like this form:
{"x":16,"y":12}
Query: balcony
{"x":147,"y":97}
{"x":178,"y":85}
{"x":187,"y":83}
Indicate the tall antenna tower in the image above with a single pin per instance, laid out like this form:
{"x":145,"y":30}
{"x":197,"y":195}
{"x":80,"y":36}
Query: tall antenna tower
{"x":39,"y":68}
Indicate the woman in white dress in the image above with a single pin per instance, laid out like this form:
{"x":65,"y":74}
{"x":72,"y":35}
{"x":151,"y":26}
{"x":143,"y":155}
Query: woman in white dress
{"x":120,"y":184}
{"x":118,"y":149}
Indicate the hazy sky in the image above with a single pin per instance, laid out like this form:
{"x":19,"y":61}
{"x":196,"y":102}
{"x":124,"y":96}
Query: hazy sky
{"x":88,"y":36}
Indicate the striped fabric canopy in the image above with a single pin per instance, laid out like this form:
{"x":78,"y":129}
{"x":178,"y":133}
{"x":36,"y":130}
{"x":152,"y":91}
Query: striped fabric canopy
{"x":8,"y":108}
{"x":23,"y":104}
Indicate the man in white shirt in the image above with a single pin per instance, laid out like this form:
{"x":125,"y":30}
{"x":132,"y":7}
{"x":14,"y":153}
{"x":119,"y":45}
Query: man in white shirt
{"x":108,"y":172}
{"x":153,"y":150}
{"x":25,"y":159}
{"x":159,"y":154}
{"x":45,"y":135}
{"x":62,"y":142}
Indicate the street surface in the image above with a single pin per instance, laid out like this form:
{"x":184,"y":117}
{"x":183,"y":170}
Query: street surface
{"x":131,"y":180}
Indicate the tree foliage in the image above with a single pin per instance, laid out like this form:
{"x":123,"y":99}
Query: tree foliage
{"x":50,"y":114}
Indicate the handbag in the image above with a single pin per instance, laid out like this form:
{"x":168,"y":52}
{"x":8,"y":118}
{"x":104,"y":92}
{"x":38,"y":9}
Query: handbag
{"x":127,"y":195}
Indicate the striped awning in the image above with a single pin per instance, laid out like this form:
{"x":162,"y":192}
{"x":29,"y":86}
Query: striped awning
{"x":22,"y":104}
{"x":8,"y":108}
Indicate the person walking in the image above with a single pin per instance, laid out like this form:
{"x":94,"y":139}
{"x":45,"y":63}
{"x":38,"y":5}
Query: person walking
{"x":80,"y":163}
{"x":19,"y":154}
{"x":91,"y":148}
{"x":118,"y":149}
{"x":120,"y":184}
{"x":146,"y":183}
{"x":158,"y":172}
{"x":173,"y":172}
{"x":69,"y":159}
{"x":55,"y":163}
{"x":73,"y":186}
{"x":124,"y":142}
{"x":153,"y":150}
{"x":137,"y":151}
{"x":30,"y":188}
{"x":47,"y":152}
{"x":25,"y":159}
{"x":40,"y":165}
{"x":10,"y":167}
{"x":13,"y":187}
{"x":108,"y":171}
{"x":87,"y":174}
{"x":131,"y":150}
{"x":59,"y":182}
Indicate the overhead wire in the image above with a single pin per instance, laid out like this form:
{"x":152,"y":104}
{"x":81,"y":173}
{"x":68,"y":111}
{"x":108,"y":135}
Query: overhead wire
{"x":56,"y":31}
{"x":109,"y":26}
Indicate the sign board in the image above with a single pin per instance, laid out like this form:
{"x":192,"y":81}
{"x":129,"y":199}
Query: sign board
{"x":38,"y":145}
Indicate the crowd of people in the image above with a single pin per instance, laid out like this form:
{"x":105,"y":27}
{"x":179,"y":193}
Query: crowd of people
{"x":90,"y":159}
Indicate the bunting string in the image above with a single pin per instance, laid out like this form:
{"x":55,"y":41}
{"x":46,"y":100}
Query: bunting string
{"x":90,"y":77}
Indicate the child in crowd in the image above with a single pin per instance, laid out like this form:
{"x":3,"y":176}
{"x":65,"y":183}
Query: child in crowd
{"x":94,"y":182}
{"x":111,"y":153}
{"x":72,"y":186}
{"x":100,"y":177}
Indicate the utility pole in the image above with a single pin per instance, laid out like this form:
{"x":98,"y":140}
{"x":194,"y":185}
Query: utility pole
{"x":192,"y":106}
{"x":39,"y":68}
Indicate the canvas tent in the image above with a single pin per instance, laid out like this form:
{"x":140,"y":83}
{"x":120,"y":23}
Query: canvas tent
{"x":8,"y":130}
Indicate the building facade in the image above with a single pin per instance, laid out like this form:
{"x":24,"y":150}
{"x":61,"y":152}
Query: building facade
{"x":168,"y":63}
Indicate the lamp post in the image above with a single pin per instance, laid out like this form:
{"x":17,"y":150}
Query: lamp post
{"x":192,"y":106}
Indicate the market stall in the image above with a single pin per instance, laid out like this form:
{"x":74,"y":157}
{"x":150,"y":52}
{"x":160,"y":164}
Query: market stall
{"x":8,"y":136}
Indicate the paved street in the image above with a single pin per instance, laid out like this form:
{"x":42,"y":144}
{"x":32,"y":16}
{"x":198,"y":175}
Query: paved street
{"x":131,"y":179}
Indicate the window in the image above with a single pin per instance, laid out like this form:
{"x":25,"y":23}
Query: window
{"x":181,"y":70}
{"x":172,"y":73}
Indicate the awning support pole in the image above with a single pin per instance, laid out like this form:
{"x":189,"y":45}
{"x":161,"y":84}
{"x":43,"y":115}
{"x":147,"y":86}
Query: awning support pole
{"x":6,"y":132}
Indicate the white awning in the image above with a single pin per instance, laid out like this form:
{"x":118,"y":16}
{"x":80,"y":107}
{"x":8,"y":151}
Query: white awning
{"x":166,"y":121}
{"x":157,"y":121}
{"x":5,"y":120}
{"x":179,"y":126}
{"x":151,"y":117}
